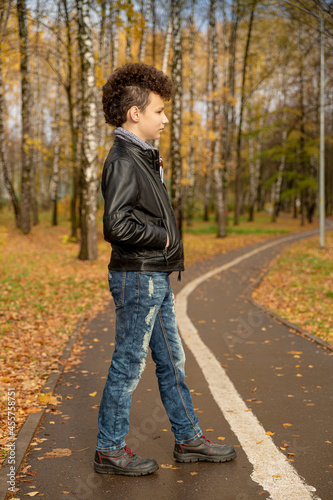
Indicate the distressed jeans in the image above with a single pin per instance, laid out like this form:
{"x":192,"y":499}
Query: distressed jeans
{"x":145,"y":317}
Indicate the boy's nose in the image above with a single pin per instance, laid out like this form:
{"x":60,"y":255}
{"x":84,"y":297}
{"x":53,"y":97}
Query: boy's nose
{"x":165,"y":120}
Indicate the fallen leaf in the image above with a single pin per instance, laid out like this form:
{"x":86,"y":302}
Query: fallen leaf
{"x":209,"y":430}
{"x":259,"y":442}
{"x":96,"y":340}
{"x":59,"y":452}
{"x":276,"y":475}
{"x":221,"y":438}
{"x":180,"y":481}
{"x":254,"y":390}
{"x":269,"y":433}
{"x":48,"y":399}
{"x":32,"y":494}
{"x":93,"y":394}
{"x":193,"y":473}
{"x":287,"y":425}
{"x":290,"y":454}
{"x":169,"y":466}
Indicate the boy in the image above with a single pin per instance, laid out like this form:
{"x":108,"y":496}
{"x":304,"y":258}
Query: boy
{"x":140,"y":225}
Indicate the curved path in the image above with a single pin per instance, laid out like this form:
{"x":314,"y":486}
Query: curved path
{"x":255,"y":384}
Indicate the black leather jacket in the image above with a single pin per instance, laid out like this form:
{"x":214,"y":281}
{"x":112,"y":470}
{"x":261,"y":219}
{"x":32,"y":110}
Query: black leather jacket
{"x":137,"y":212}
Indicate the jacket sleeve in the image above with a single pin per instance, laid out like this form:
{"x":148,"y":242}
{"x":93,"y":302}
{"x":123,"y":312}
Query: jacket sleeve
{"x":120,"y":224}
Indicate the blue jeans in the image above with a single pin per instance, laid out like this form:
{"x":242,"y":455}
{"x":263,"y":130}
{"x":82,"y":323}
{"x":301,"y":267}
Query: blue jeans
{"x":145,"y":316}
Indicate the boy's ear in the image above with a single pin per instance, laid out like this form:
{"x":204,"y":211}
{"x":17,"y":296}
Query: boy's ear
{"x":133,"y":114}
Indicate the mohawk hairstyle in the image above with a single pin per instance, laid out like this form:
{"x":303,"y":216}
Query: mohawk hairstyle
{"x":129,"y":86}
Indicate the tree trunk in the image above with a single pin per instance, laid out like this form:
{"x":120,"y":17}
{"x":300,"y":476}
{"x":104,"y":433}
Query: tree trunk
{"x":73,"y":128}
{"x":176,"y":119}
{"x":254,"y":170}
{"x":167,"y":46}
{"x":228,"y":130}
{"x":207,"y":178}
{"x":114,"y":14}
{"x":26,"y":98}
{"x":145,"y":32}
{"x":54,"y":183}
{"x":153,"y":9}
{"x":129,"y":6}
{"x":3,"y":151}
{"x":238,"y":179}
{"x":190,"y":188}
{"x":88,"y":205}
{"x":216,"y":143}
{"x":278,"y":183}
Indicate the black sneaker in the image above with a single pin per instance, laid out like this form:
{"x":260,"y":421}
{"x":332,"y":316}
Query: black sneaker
{"x":203,"y":450}
{"x":123,"y":461}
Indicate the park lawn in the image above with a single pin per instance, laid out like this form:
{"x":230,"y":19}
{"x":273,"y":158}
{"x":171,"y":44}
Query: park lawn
{"x":299,"y":286}
{"x":45,"y":289}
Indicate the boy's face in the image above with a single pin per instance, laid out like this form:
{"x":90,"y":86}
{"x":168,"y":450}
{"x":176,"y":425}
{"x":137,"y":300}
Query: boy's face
{"x":152,"y":120}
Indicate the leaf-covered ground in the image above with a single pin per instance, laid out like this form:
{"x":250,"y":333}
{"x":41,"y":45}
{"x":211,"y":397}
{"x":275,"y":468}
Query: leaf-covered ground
{"x":45,"y":289}
{"x":299,"y":287}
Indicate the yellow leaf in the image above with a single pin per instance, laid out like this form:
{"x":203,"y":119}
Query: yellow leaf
{"x":96,"y":340}
{"x":287,"y":425}
{"x":269,"y":433}
{"x":193,"y":473}
{"x":259,"y":442}
{"x":93,"y":394}
{"x":209,"y":430}
{"x":276,"y":475}
{"x":48,"y":399}
{"x":32,"y":494}
{"x":221,"y":438}
{"x":169,"y":466}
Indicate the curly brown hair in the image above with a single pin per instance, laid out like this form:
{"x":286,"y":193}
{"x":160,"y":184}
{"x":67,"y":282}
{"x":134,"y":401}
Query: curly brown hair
{"x":129,"y":86}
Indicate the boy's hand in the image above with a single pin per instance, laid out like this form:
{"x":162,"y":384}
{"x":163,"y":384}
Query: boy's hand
{"x":168,"y":241}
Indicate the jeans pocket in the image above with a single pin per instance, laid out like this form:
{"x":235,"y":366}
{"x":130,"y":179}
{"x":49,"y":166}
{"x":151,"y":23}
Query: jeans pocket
{"x":117,"y":281}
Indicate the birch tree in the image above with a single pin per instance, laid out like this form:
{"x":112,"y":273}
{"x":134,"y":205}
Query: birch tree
{"x":88,"y":180}
{"x":143,"y":43}
{"x":176,"y":118}
{"x":54,"y":183}
{"x":26,"y":101}
{"x":216,"y":143}
{"x":190,"y":189}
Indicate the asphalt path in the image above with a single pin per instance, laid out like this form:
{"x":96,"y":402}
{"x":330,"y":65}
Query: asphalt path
{"x":271,"y":399}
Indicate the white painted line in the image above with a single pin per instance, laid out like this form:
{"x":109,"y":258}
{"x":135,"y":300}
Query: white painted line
{"x":270,"y":468}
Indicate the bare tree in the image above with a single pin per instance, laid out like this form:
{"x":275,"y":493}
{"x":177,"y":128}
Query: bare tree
{"x":88,"y":201}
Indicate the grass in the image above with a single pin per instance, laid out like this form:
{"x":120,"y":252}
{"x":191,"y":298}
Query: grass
{"x":299,"y":287}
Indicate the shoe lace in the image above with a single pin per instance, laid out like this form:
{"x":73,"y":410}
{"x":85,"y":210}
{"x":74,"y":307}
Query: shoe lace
{"x":204,"y":437}
{"x":128,"y":450}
